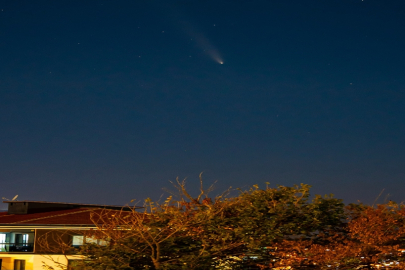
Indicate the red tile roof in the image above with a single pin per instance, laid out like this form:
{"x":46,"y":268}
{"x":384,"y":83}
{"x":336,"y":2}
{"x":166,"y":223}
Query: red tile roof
{"x":79,"y":216}
{"x":84,"y":205}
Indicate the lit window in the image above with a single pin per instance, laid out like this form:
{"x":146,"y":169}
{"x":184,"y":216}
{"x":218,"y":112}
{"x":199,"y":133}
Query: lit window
{"x":93,"y":240}
{"x":25,"y":238}
{"x":77,"y":240}
{"x":2,"y":238}
{"x":2,"y":242}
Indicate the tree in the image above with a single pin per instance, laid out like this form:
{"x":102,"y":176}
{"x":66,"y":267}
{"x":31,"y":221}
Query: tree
{"x":201,"y":232}
{"x":373,"y":236}
{"x":177,"y":234}
{"x":256,"y":228}
{"x":277,"y":223}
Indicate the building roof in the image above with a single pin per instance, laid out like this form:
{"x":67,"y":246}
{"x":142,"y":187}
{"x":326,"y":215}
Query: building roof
{"x":59,"y":215}
{"x":79,"y":216}
{"x":117,"y":207}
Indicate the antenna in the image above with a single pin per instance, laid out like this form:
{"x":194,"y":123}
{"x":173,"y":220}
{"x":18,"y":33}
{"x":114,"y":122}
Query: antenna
{"x":15,"y":197}
{"x":4,"y":198}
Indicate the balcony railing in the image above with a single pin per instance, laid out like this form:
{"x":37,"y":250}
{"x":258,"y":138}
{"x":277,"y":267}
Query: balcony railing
{"x":16,"y":247}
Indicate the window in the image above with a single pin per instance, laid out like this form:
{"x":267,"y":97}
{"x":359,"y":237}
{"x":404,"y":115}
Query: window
{"x":93,"y":240}
{"x":2,"y":242}
{"x":21,"y":238}
{"x":79,"y":240}
{"x":25,"y":238}
{"x":19,"y":264}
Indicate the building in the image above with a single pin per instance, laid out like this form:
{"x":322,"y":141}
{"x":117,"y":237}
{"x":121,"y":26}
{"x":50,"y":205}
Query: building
{"x":27,"y":222}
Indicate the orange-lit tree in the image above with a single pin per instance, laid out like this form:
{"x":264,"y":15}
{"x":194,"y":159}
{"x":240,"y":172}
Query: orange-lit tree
{"x":263,"y":228}
{"x":372,"y":237}
{"x":175,"y":234}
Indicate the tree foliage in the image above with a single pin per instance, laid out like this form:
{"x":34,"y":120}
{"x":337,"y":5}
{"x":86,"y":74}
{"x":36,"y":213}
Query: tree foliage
{"x":280,"y":227}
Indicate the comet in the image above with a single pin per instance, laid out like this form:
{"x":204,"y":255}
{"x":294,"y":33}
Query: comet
{"x":204,"y":44}
{"x":209,"y":49}
{"x":200,"y":39}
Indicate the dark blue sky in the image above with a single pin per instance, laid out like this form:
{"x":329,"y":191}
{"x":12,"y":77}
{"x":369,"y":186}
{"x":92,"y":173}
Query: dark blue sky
{"x":105,"y":101}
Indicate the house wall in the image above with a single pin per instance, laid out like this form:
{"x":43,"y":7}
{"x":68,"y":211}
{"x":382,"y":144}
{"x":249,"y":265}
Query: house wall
{"x":37,"y":262}
{"x":8,"y":261}
{"x":49,"y":245}
{"x":58,"y":262}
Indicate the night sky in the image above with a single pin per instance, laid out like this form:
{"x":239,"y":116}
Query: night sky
{"x":106,"y":101}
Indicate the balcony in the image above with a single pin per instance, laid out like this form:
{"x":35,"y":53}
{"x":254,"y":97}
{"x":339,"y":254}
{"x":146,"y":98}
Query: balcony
{"x":16,"y":240}
{"x":16,"y":247}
